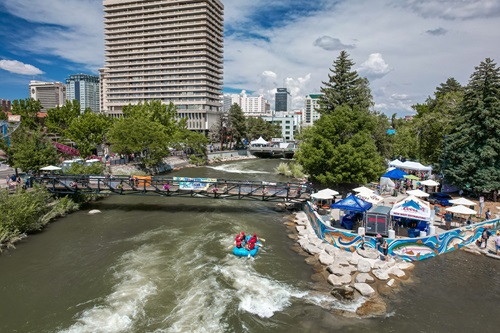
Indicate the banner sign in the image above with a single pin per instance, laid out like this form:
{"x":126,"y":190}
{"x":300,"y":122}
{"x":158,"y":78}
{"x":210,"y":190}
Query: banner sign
{"x":66,"y":149}
{"x":194,"y":184}
{"x":14,"y":118}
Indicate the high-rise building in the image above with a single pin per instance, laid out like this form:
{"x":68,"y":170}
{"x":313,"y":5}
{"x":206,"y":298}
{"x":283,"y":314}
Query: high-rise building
{"x":252,"y":106}
{"x":311,"y":107}
{"x":167,"y":50}
{"x":283,"y":100}
{"x":85,"y":89}
{"x":50,"y":94}
{"x":5,"y":105}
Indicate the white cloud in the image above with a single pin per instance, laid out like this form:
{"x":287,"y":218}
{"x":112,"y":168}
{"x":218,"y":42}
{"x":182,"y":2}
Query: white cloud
{"x":374,"y":68}
{"x":453,"y":9}
{"x":18,"y":67}
{"x":331,"y":44}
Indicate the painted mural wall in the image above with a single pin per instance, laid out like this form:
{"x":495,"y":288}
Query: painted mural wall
{"x":409,"y":249}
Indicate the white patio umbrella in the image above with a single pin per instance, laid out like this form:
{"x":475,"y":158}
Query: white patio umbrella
{"x":461,"y":210}
{"x":418,"y":193}
{"x":50,"y":168}
{"x":462,"y":201}
{"x":370,"y":197}
{"x":429,"y":182}
{"x":329,"y":192}
{"x":363,"y":189}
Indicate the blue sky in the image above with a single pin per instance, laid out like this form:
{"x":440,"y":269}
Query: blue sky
{"x":406,"y":48}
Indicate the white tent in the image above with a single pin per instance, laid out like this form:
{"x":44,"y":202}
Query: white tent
{"x":50,"y":168}
{"x":363,"y":189}
{"x":462,"y":201}
{"x":259,"y":141}
{"x":418,"y":193}
{"x":329,"y":192}
{"x":409,"y":165}
{"x":370,"y":197}
{"x":429,"y":182}
{"x":321,"y":196}
{"x":412,"y":208}
{"x":461,"y":210}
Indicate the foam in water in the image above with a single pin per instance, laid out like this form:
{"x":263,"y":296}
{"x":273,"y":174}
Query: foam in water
{"x":125,"y":305}
{"x":235,"y":168}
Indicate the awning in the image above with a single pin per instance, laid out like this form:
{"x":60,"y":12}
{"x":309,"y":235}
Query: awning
{"x":418,"y":193}
{"x":429,"y":182}
{"x":352,"y":203}
{"x":462,"y":201}
{"x":461,"y":210}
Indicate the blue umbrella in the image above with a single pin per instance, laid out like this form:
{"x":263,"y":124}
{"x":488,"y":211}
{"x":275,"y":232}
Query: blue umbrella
{"x":395,"y":174}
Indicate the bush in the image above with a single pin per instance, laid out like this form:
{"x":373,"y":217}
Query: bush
{"x":197,"y":160}
{"x":283,"y":169}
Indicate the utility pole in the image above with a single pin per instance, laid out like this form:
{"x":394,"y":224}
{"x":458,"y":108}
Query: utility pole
{"x":444,"y":162}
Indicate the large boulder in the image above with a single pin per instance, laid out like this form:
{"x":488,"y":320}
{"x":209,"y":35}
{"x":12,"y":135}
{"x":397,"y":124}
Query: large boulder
{"x":344,"y":293}
{"x":364,"y":289}
{"x":397,"y":272}
{"x":341,"y":270}
{"x":326,"y":259}
{"x":381,"y":274}
{"x":372,"y":307}
{"x":368,"y":253}
{"x":405,"y":265}
{"x":363,"y":278}
{"x":311,"y":249}
{"x":364,"y":266}
{"x":337,"y":281}
{"x":331,"y":250}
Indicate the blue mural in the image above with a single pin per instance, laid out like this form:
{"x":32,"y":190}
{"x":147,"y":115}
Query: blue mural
{"x":409,"y":249}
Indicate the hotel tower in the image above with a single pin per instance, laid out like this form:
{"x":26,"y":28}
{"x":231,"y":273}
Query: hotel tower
{"x":167,"y":50}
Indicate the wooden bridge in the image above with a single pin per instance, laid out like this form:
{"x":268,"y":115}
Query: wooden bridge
{"x":176,"y":187}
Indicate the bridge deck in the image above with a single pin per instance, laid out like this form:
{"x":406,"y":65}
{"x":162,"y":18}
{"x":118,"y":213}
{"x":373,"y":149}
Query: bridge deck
{"x":176,"y":187}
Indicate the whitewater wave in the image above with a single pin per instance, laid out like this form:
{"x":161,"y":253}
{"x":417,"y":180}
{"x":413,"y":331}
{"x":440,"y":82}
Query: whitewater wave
{"x":236,"y":168}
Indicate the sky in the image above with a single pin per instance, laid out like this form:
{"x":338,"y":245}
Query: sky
{"x":406,"y":48}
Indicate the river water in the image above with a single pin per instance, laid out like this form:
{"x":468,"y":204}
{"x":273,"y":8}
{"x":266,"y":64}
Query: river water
{"x":163,"y":264}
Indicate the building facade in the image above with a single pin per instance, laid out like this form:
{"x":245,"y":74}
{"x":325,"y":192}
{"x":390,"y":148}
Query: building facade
{"x":85,"y":89}
{"x":5,"y":105}
{"x":283,"y":100}
{"x":287,"y":123}
{"x":167,"y":50}
{"x":252,"y":106}
{"x":311,"y":107}
{"x":50,"y":94}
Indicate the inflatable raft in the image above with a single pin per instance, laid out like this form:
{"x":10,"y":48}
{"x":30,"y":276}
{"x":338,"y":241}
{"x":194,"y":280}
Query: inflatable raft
{"x":242,"y":252}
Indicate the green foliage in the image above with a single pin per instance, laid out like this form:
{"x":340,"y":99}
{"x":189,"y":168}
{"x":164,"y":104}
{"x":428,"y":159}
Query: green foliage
{"x":197,"y":160}
{"x":283,"y":169}
{"x":80,"y":168}
{"x":28,"y":110}
{"x":340,"y":148}
{"x":344,"y":87}
{"x":473,"y":145}
{"x":156,"y":112}
{"x":192,"y":142}
{"x":88,"y":131}
{"x":237,"y":124}
{"x":3,"y":116}
{"x":258,"y":127}
{"x":59,"y":119}
{"x":218,"y":131}
{"x":297,"y":170}
{"x":29,"y":150}
{"x":130,"y":135}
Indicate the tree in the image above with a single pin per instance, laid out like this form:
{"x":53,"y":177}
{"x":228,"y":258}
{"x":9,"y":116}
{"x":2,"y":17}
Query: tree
{"x":88,"y":131}
{"x":473,"y":145}
{"x":237,"y":124}
{"x":344,"y":87}
{"x":29,"y":150}
{"x":155,"y":111}
{"x":339,"y":148}
{"x":258,"y":127}
{"x":131,"y":135}
{"x":219,"y":129}
{"x":28,"y":109}
{"x":59,"y":118}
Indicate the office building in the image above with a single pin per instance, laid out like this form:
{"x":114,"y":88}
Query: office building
{"x":252,"y":106}
{"x":286,"y":122}
{"x":85,"y":89}
{"x":50,"y":94}
{"x":5,"y":105}
{"x":283,"y":100}
{"x":167,"y":50}
{"x":311,"y":106}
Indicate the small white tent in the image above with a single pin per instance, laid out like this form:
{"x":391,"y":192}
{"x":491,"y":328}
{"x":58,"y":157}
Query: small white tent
{"x":259,"y":142}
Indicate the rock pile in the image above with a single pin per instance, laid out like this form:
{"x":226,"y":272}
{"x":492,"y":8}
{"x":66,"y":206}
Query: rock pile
{"x":351,"y":275}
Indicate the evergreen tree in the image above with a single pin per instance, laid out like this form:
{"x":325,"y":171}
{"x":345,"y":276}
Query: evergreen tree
{"x":258,"y":127}
{"x":473,"y":146}
{"x":237,"y":124}
{"x":344,"y":87}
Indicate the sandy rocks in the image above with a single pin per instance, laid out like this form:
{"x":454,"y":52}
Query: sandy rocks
{"x":364,"y":266}
{"x":364,"y":289}
{"x":338,"y":281}
{"x":326,"y":259}
{"x":363,"y":278}
{"x":381,"y":274}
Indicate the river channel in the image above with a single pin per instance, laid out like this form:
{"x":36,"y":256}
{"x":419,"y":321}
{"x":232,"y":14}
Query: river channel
{"x":162,"y":264}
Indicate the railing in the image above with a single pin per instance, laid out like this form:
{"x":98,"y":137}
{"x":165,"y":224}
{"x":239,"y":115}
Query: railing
{"x":175,"y":187}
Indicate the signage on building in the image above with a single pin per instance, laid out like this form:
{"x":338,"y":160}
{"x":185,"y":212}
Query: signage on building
{"x":14,"y":118}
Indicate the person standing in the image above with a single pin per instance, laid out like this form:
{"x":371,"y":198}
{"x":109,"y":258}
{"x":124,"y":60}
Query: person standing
{"x":497,"y":243}
{"x":488,"y":214}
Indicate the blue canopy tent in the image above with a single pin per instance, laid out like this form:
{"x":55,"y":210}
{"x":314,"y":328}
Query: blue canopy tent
{"x":355,"y":206}
{"x":395,"y":174}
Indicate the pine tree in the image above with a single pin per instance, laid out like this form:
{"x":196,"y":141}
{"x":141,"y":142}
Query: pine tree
{"x":473,"y":147}
{"x":237,"y":123}
{"x":344,"y":87}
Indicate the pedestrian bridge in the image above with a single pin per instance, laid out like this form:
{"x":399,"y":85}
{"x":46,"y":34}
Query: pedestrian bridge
{"x":176,"y":187}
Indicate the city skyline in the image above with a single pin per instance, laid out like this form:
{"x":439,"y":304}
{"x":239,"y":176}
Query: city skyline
{"x":405,"y":48}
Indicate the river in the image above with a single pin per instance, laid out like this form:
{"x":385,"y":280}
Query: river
{"x":163,"y":264}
